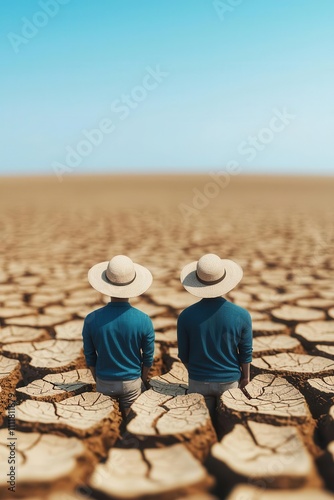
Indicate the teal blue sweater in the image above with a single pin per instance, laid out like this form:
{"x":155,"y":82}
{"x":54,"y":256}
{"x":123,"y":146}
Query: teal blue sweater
{"x":118,"y":339}
{"x":214,"y":338}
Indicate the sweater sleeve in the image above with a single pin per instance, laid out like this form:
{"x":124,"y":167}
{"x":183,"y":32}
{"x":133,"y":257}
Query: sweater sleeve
{"x":89,"y":348}
{"x":148,"y":343}
{"x":246,"y":340}
{"x":182,"y":340}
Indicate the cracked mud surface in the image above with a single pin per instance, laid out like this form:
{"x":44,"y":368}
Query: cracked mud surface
{"x":174,"y":382}
{"x":316,"y":331}
{"x":147,"y":470}
{"x":57,"y":386}
{"x":45,"y":458}
{"x":254,"y":493}
{"x":9,"y":376}
{"x":274,"y":454}
{"x":296,"y":313}
{"x":269,"y":396}
{"x":173,"y":418}
{"x":275,"y":343}
{"x":46,"y":356}
{"x":275,"y":439}
{"x":300,"y":367}
{"x":266,"y":327}
{"x":80,"y":413}
{"x":10,"y":334}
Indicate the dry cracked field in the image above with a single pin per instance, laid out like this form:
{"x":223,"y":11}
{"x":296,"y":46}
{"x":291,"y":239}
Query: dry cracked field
{"x":276,"y":441}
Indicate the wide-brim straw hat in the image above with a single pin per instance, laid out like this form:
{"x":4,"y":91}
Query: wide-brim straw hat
{"x":120,"y":278}
{"x":211,"y":276}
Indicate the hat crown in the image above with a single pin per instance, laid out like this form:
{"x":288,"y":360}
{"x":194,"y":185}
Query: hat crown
{"x":120,"y":270}
{"x":210,"y":268}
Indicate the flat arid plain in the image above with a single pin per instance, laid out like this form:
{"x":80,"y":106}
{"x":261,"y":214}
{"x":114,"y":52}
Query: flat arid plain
{"x":61,"y":440}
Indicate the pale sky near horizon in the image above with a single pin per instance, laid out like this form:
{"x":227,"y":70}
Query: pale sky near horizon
{"x":174,"y":85}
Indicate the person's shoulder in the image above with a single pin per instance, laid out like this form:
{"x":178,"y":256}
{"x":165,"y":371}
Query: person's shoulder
{"x":97,"y":312}
{"x":142,"y":319}
{"x":140,"y":314}
{"x":188,"y":311}
{"x":241,"y":311}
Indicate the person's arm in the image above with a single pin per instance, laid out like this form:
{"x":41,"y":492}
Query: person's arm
{"x":182,"y":342}
{"x":147,"y":350}
{"x":144,"y":373}
{"x":92,"y":369}
{"x":245,"y":351}
{"x":89,"y":348}
{"x":245,"y":375}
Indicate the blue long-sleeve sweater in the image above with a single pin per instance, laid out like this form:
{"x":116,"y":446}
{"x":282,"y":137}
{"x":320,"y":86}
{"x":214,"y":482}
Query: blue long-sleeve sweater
{"x":118,"y":339}
{"x":214,"y":338}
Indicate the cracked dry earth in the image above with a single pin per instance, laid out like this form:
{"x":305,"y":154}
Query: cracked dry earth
{"x":273,"y":441}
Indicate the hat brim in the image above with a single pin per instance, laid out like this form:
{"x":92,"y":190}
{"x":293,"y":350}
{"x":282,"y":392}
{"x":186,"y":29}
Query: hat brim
{"x":98,"y":280}
{"x":192,"y":284}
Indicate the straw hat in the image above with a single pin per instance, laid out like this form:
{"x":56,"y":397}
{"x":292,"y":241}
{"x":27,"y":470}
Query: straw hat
{"x":120,"y":277}
{"x":211,"y":276}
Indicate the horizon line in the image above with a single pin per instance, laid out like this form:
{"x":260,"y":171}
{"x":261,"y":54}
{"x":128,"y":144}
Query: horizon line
{"x":162,"y":173}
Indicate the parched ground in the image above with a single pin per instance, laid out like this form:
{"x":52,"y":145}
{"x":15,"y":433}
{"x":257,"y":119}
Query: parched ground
{"x":274,"y":440}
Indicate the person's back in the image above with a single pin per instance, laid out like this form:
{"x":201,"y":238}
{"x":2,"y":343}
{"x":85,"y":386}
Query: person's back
{"x":215,"y":338}
{"x":123,"y":336}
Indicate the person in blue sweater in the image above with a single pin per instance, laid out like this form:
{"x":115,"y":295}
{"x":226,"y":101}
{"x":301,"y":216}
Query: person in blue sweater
{"x":118,"y":338}
{"x":214,"y":335}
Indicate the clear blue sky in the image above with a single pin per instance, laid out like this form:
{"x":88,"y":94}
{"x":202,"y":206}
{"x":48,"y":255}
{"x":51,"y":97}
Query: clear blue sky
{"x":227,"y":72}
